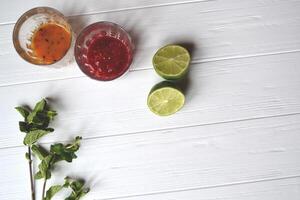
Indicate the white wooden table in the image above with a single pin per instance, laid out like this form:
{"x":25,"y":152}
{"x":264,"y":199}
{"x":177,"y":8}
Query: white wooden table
{"x":237,"y":138}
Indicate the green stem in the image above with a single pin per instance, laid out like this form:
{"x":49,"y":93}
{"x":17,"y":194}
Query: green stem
{"x":44,"y":188}
{"x":31,"y":174}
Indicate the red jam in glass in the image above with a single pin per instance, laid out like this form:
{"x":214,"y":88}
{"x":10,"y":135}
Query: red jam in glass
{"x":108,"y":57}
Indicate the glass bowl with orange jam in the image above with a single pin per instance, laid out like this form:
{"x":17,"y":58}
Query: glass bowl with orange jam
{"x":42,"y":36}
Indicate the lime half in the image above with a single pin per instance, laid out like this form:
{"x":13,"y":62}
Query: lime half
{"x":171,"y":62}
{"x":165,"y":99}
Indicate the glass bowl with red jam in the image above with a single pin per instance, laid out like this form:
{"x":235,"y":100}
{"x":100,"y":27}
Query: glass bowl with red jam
{"x":104,"y":51}
{"x":42,"y":36}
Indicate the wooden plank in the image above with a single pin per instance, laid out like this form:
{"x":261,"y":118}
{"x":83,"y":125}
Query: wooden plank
{"x":215,"y":92}
{"x":177,"y":159}
{"x":270,"y":190}
{"x":74,"y":7}
{"x":213,"y":30}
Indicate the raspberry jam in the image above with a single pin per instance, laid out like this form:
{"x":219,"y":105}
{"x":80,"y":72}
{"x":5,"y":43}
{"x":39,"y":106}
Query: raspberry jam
{"x":109,"y":57}
{"x":104,"y":51}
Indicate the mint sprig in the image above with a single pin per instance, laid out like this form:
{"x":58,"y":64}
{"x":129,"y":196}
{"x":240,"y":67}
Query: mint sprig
{"x":58,"y":152}
{"x":36,"y":122}
{"x":78,"y":189}
{"x":35,"y":126}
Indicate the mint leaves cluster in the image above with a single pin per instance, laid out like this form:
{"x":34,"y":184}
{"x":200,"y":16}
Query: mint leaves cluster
{"x":77,"y":187}
{"x":35,"y":126}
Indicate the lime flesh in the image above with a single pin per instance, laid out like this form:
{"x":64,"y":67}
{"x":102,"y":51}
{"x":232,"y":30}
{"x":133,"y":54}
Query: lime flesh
{"x":165,"y":100}
{"x":171,"y":62}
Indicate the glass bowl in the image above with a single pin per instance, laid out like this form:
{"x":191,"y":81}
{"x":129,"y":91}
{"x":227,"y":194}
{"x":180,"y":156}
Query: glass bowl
{"x":104,"y":51}
{"x":29,"y":23}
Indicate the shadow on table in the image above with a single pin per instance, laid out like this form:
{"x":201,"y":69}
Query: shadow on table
{"x":76,"y":21}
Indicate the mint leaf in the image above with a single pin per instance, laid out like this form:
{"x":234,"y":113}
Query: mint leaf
{"x":27,"y":156}
{"x":40,"y":106}
{"x":23,"y":126}
{"x":33,"y":136}
{"x":62,"y":153}
{"x":75,"y":145}
{"x":66,"y":152}
{"x":38,"y":175}
{"x":39,"y":151}
{"x":38,"y":119}
{"x":52,"y":191}
{"x":41,"y":120}
{"x":45,"y":166}
{"x":23,"y":111}
{"x":67,"y":181}
{"x":56,"y":188}
{"x":77,"y":185}
{"x":51,"y":114}
{"x":78,"y":190}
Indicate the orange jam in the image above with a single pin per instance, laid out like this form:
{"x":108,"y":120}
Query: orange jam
{"x":50,"y":42}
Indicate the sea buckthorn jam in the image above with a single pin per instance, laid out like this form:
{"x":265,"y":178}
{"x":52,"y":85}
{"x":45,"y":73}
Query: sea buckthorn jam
{"x":50,"y":42}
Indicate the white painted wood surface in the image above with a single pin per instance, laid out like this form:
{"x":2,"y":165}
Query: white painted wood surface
{"x":177,"y":159}
{"x":238,"y":136}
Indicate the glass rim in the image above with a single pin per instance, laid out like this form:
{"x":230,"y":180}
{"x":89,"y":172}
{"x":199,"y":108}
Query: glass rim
{"x":104,"y":22}
{"x":15,"y":36}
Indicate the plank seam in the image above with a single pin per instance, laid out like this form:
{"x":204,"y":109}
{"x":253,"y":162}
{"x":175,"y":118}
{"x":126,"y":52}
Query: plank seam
{"x":206,"y":187}
{"x":142,"y":7}
{"x":126,"y":9}
{"x":193,"y":63}
{"x":170,"y":128}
